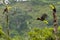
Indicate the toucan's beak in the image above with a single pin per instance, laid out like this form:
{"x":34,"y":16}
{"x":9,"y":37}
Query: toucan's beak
{"x":53,"y":8}
{"x":8,"y":7}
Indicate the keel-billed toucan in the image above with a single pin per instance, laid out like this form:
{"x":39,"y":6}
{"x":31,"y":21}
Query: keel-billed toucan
{"x":53,"y":8}
{"x":42,"y":18}
{"x":6,"y":9}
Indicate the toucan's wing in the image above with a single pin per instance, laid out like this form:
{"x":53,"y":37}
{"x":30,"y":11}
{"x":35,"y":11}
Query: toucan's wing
{"x":43,"y":17}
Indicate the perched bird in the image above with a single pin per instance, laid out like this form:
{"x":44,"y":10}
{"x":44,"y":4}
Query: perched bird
{"x":6,"y":9}
{"x":53,"y":7}
{"x":42,"y":18}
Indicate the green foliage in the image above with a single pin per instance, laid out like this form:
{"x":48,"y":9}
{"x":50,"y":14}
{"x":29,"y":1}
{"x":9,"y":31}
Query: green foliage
{"x":42,"y":34}
{"x":23,"y":20}
{"x":17,"y":37}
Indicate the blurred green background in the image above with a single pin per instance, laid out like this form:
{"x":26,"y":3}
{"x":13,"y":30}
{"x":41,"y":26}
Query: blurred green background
{"x":23,"y":15}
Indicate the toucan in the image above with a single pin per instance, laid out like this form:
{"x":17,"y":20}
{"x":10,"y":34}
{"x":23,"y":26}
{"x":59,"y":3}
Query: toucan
{"x":43,"y":18}
{"x":6,"y":9}
{"x":53,"y":8}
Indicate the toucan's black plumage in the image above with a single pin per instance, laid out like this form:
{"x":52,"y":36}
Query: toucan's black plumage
{"x":43,"y":17}
{"x":5,"y":10}
{"x":54,"y":8}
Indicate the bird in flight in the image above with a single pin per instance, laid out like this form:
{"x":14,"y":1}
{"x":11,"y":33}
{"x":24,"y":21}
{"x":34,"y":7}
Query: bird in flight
{"x":43,"y":18}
